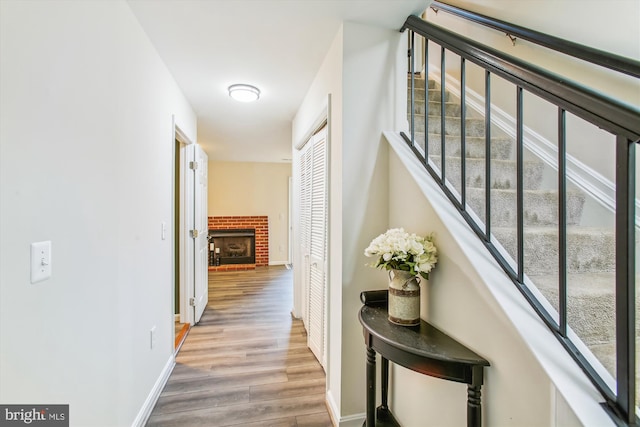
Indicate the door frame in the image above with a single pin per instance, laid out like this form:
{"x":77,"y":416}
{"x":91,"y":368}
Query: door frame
{"x":300,"y":289}
{"x":290,"y":224}
{"x":185,"y":205}
{"x":319,"y":262}
{"x":323,"y":118}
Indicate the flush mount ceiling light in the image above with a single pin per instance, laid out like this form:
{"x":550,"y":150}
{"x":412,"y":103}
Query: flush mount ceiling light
{"x":244,"y":93}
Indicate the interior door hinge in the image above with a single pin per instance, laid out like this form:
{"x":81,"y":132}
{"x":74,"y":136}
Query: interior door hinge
{"x":193,"y":165}
{"x":194,"y":233}
{"x":192,"y":302}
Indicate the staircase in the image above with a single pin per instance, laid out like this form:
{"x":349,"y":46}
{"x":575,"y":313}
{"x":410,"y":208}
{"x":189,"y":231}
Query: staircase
{"x":590,"y":244}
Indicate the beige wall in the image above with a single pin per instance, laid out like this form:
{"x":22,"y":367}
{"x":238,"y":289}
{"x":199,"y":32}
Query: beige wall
{"x":243,"y":188}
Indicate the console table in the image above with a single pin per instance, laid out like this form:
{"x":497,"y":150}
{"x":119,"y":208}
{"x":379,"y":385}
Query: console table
{"x":423,"y":349}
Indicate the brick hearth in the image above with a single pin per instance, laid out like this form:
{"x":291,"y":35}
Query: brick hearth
{"x":259,"y":223}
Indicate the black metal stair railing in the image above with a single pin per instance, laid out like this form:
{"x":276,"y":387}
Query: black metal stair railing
{"x":618,"y":119}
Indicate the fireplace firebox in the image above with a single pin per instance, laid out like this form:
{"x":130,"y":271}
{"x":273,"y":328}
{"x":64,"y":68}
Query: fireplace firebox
{"x":236,"y":246}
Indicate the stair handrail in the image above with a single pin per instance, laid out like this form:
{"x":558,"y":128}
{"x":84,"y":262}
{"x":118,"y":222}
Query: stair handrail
{"x":616,"y":117}
{"x":602,"y":58}
{"x":606,"y":112}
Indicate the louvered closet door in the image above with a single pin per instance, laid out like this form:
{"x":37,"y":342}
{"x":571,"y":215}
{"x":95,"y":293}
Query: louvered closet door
{"x":305,"y":226}
{"x":318,"y":248}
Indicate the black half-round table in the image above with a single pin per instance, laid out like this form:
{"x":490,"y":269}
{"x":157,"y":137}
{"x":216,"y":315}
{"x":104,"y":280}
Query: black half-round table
{"x":423,"y":349}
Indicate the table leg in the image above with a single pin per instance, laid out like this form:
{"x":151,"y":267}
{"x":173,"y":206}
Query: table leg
{"x":384,"y":383}
{"x":371,"y":388}
{"x":474,"y":406}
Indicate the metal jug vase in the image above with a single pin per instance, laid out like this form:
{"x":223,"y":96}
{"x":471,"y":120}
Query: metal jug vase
{"x":404,"y":298}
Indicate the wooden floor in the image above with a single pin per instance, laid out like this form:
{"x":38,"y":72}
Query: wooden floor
{"x":246,"y":363}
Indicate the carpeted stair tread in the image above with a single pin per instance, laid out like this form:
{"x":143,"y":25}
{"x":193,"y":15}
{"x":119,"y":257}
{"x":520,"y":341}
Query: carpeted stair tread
{"x":501,"y":147}
{"x":434,"y":95}
{"x":452,"y":109}
{"x":503,"y":172}
{"x":419,"y":82}
{"x":474,"y":126}
{"x":590,"y":307}
{"x":540,"y":206}
{"x":590,"y":284}
{"x":589,"y":249}
{"x":606,"y":354}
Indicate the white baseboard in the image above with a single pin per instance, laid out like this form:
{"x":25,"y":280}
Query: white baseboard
{"x":278,"y":262}
{"x":334,"y":412}
{"x":145,"y":411}
{"x":353,"y":420}
{"x":348,"y":421}
{"x":584,"y":177}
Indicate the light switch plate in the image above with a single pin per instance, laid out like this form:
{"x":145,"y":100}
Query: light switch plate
{"x":40,"y":261}
{"x":152,"y":334}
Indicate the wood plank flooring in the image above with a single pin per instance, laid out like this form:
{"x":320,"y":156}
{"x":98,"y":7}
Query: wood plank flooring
{"x":246,"y":363}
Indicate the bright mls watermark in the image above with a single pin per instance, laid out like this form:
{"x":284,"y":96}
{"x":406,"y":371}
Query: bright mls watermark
{"x":34,"y":415}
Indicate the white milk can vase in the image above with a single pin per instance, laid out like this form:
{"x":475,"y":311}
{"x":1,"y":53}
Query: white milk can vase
{"x":404,"y":298}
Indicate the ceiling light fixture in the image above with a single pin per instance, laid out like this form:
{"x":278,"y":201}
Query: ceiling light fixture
{"x":244,"y":93}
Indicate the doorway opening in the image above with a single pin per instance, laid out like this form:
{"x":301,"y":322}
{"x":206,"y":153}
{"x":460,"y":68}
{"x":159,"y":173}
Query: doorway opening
{"x":190,"y":233}
{"x":181,"y":321}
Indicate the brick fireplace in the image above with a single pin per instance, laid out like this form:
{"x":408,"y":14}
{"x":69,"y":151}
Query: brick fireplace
{"x":261,"y":226}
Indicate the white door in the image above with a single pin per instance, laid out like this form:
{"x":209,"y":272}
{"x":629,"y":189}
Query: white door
{"x":185,"y":227}
{"x":317,"y":279}
{"x":200,"y":234}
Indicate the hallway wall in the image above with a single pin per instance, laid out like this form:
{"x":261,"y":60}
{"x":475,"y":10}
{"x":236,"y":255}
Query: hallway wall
{"x":87,"y":110}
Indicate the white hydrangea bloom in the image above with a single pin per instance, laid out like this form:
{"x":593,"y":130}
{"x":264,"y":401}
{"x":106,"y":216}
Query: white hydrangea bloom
{"x":397,"y":249}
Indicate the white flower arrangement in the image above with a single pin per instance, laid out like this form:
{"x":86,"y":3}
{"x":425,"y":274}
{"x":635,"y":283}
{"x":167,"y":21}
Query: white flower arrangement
{"x":398,"y":250}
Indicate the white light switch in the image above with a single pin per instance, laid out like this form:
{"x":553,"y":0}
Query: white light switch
{"x":152,"y":334}
{"x":163,"y":233}
{"x":40,"y":261}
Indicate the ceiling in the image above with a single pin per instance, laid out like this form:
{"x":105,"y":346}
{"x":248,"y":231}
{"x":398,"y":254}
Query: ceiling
{"x":276,"y":45}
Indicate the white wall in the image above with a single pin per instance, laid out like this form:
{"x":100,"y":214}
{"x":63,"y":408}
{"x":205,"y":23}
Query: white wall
{"x":252,"y":188}
{"x":86,"y":162}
